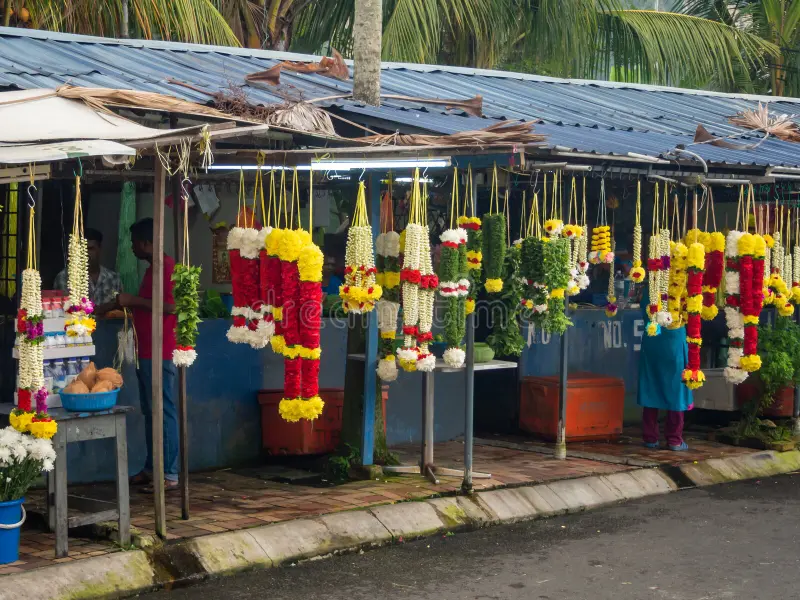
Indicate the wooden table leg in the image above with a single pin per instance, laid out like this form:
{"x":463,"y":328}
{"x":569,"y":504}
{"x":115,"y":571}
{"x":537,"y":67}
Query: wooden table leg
{"x":50,"y":502}
{"x":123,"y":497}
{"x":60,"y":472}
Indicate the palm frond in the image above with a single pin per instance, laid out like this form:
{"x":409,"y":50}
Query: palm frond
{"x":669,"y":48}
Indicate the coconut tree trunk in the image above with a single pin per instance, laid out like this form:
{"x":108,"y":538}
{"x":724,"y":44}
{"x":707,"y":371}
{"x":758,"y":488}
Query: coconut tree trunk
{"x":367,"y":29}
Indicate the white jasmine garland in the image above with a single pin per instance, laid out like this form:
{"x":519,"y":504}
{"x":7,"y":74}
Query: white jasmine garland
{"x":387,"y":370}
{"x":732,"y":283}
{"x":454,"y":357}
{"x":183,"y":358}
{"x":391,"y":244}
{"x":380,"y":244}
{"x":426,"y":363}
{"x":734,"y":319}
{"x":409,"y":354}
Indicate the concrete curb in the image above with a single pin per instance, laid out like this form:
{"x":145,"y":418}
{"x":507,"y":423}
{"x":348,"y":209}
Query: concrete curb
{"x":128,"y":573}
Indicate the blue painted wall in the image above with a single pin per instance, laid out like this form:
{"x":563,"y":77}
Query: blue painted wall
{"x":596,"y":344}
{"x":224,"y":415}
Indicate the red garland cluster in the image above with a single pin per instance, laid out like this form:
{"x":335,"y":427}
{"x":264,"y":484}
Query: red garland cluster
{"x":24,"y":398}
{"x":411,"y":276}
{"x":694,"y":287}
{"x":747,"y":301}
{"x":428,"y":282}
{"x":715,"y":266}
{"x":290,"y":287}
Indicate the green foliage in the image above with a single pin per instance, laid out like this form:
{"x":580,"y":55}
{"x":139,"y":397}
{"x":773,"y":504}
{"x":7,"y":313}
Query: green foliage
{"x":186,"y":282}
{"x":494,"y":245}
{"x":779,"y":348}
{"x":338,"y":467}
{"x":556,"y":277}
{"x":506,"y":338}
{"x":212,"y":306}
{"x":448,"y":264}
{"x":532,"y":269}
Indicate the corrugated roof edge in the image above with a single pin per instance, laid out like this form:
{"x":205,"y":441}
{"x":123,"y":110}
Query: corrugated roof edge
{"x":422,"y":68}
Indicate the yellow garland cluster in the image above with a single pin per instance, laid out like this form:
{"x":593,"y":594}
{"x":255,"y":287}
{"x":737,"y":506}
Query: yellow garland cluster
{"x":296,"y":409}
{"x":694,"y":305}
{"x":796,"y":275}
{"x":601,"y":244}
{"x":554,"y":226}
{"x":781,"y":296}
{"x":679,"y":262}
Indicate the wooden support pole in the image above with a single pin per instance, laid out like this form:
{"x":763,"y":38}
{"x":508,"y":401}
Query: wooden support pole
{"x":183,"y":421}
{"x":157,"y":401}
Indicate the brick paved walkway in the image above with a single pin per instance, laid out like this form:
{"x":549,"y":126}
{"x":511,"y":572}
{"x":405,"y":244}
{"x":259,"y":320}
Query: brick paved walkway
{"x":229,"y":500}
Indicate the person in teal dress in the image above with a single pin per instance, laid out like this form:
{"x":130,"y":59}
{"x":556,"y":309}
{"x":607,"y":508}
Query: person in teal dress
{"x":661,"y":362}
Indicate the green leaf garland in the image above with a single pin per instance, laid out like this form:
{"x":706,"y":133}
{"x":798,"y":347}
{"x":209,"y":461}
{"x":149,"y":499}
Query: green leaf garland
{"x":186,"y":282}
{"x":532,"y":270}
{"x":556,"y":277}
{"x":506,"y":338}
{"x":494,"y":250}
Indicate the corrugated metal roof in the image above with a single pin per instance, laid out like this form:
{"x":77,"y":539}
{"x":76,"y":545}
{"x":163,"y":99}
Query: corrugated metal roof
{"x":599,"y":117}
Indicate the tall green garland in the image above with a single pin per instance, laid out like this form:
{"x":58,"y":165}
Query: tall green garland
{"x":556,"y":276}
{"x":506,"y":338}
{"x":494,"y":251}
{"x":534,"y":295}
{"x":186,"y":280}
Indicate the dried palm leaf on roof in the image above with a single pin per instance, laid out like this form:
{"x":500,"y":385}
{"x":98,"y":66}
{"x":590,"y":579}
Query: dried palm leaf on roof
{"x":328,"y":66}
{"x":781,"y":126}
{"x":499,"y":133}
{"x":101,"y":98}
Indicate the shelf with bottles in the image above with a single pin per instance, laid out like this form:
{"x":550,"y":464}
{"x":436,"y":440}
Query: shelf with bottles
{"x":62,"y":352}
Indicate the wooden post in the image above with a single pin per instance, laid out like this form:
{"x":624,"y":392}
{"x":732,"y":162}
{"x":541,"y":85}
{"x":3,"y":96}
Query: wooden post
{"x":183,"y":423}
{"x":157,"y":401}
{"x":371,"y":352}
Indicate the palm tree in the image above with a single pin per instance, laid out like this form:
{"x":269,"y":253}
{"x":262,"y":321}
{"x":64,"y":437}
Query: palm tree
{"x":367,"y":51}
{"x":570,"y":38}
{"x":185,"y":20}
{"x":776,"y":21}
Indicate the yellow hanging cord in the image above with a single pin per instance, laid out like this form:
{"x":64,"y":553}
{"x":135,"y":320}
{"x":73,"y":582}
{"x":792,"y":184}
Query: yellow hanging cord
{"x":241,"y":197}
{"x":454,"y":198}
{"x":270,"y":213}
{"x":655,"y":209}
{"x":258,"y":187}
{"x":523,"y":220}
{"x":311,"y":202}
{"x":508,"y":220}
{"x":544,"y":195}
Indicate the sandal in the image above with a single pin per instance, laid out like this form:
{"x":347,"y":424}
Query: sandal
{"x":169,"y":486}
{"x":654,"y":445}
{"x":684,"y":446}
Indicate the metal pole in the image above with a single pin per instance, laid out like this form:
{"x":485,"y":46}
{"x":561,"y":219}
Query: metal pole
{"x":125,"y":18}
{"x":183,"y":421}
{"x":560,"y":451}
{"x":469,"y":404}
{"x":157,"y":313}
{"x":796,"y":409}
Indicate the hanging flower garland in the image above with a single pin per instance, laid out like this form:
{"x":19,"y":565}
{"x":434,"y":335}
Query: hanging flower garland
{"x":301,"y":317}
{"x":31,"y":415}
{"x":79,"y":307}
{"x":678,"y":278}
{"x":244,"y":248}
{"x":574,"y":232}
{"x":534,"y":295}
{"x":692,"y":376}
{"x":611,"y":299}
{"x":796,"y":261}
{"x":750,"y":361}
{"x":658,"y":269}
{"x":777,"y":282}
{"x":715,"y":266}
{"x":733,"y":315}
{"x":387,"y":250}
{"x":494,"y":241}
{"x":472,"y":225}
{"x":637,"y":273}
{"x":360,"y":291}
{"x":601,"y":234}
{"x":453,"y":284}
{"x":555,"y":252}
{"x":411,"y":276}
{"x":186,"y":280}
{"x":428,"y":283}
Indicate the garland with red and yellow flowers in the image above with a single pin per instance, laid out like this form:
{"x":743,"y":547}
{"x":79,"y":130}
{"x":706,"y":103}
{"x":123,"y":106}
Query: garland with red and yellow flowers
{"x":692,"y":376}
{"x":777,"y":282}
{"x":360,"y":291}
{"x":637,"y":272}
{"x":245,"y":242}
{"x":30,"y":344}
{"x":714,"y":244}
{"x":301,"y":290}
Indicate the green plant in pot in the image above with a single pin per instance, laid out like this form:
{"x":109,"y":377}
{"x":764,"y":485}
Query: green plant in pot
{"x":779,"y":348}
{"x":22,"y":460}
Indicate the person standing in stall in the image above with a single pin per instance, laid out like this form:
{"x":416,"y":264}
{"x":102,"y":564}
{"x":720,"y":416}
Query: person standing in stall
{"x":661,"y":361}
{"x":142,"y":306}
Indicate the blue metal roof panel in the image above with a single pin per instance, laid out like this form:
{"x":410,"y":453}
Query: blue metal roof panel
{"x":600,"y":117}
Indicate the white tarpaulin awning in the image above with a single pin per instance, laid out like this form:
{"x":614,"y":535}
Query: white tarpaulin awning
{"x":29,"y":116}
{"x":20,"y":154}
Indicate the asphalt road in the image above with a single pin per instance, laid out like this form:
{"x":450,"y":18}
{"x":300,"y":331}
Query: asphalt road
{"x":729,"y":541}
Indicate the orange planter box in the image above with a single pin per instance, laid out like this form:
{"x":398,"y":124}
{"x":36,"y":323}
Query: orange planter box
{"x":304,"y":437}
{"x":595,"y":406}
{"x":782,"y":407}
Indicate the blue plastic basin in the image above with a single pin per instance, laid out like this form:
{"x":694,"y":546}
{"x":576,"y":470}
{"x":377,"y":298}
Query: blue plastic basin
{"x":89,"y":402}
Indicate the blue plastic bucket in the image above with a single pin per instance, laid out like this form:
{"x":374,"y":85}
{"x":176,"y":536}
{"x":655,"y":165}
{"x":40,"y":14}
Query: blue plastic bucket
{"x":89,"y":402}
{"x":12,"y":516}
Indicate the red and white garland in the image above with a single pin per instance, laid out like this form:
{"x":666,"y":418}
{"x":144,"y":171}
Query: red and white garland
{"x":733,"y":314}
{"x":360,"y":290}
{"x":252,"y":323}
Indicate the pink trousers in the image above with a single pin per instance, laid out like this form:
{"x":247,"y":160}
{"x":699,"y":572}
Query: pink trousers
{"x":673,"y":426}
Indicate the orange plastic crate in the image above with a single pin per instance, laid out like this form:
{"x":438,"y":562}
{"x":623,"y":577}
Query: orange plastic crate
{"x":595,"y":405}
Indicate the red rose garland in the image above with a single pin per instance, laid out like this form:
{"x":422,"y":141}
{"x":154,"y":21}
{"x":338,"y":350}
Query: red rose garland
{"x":715,"y":266}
